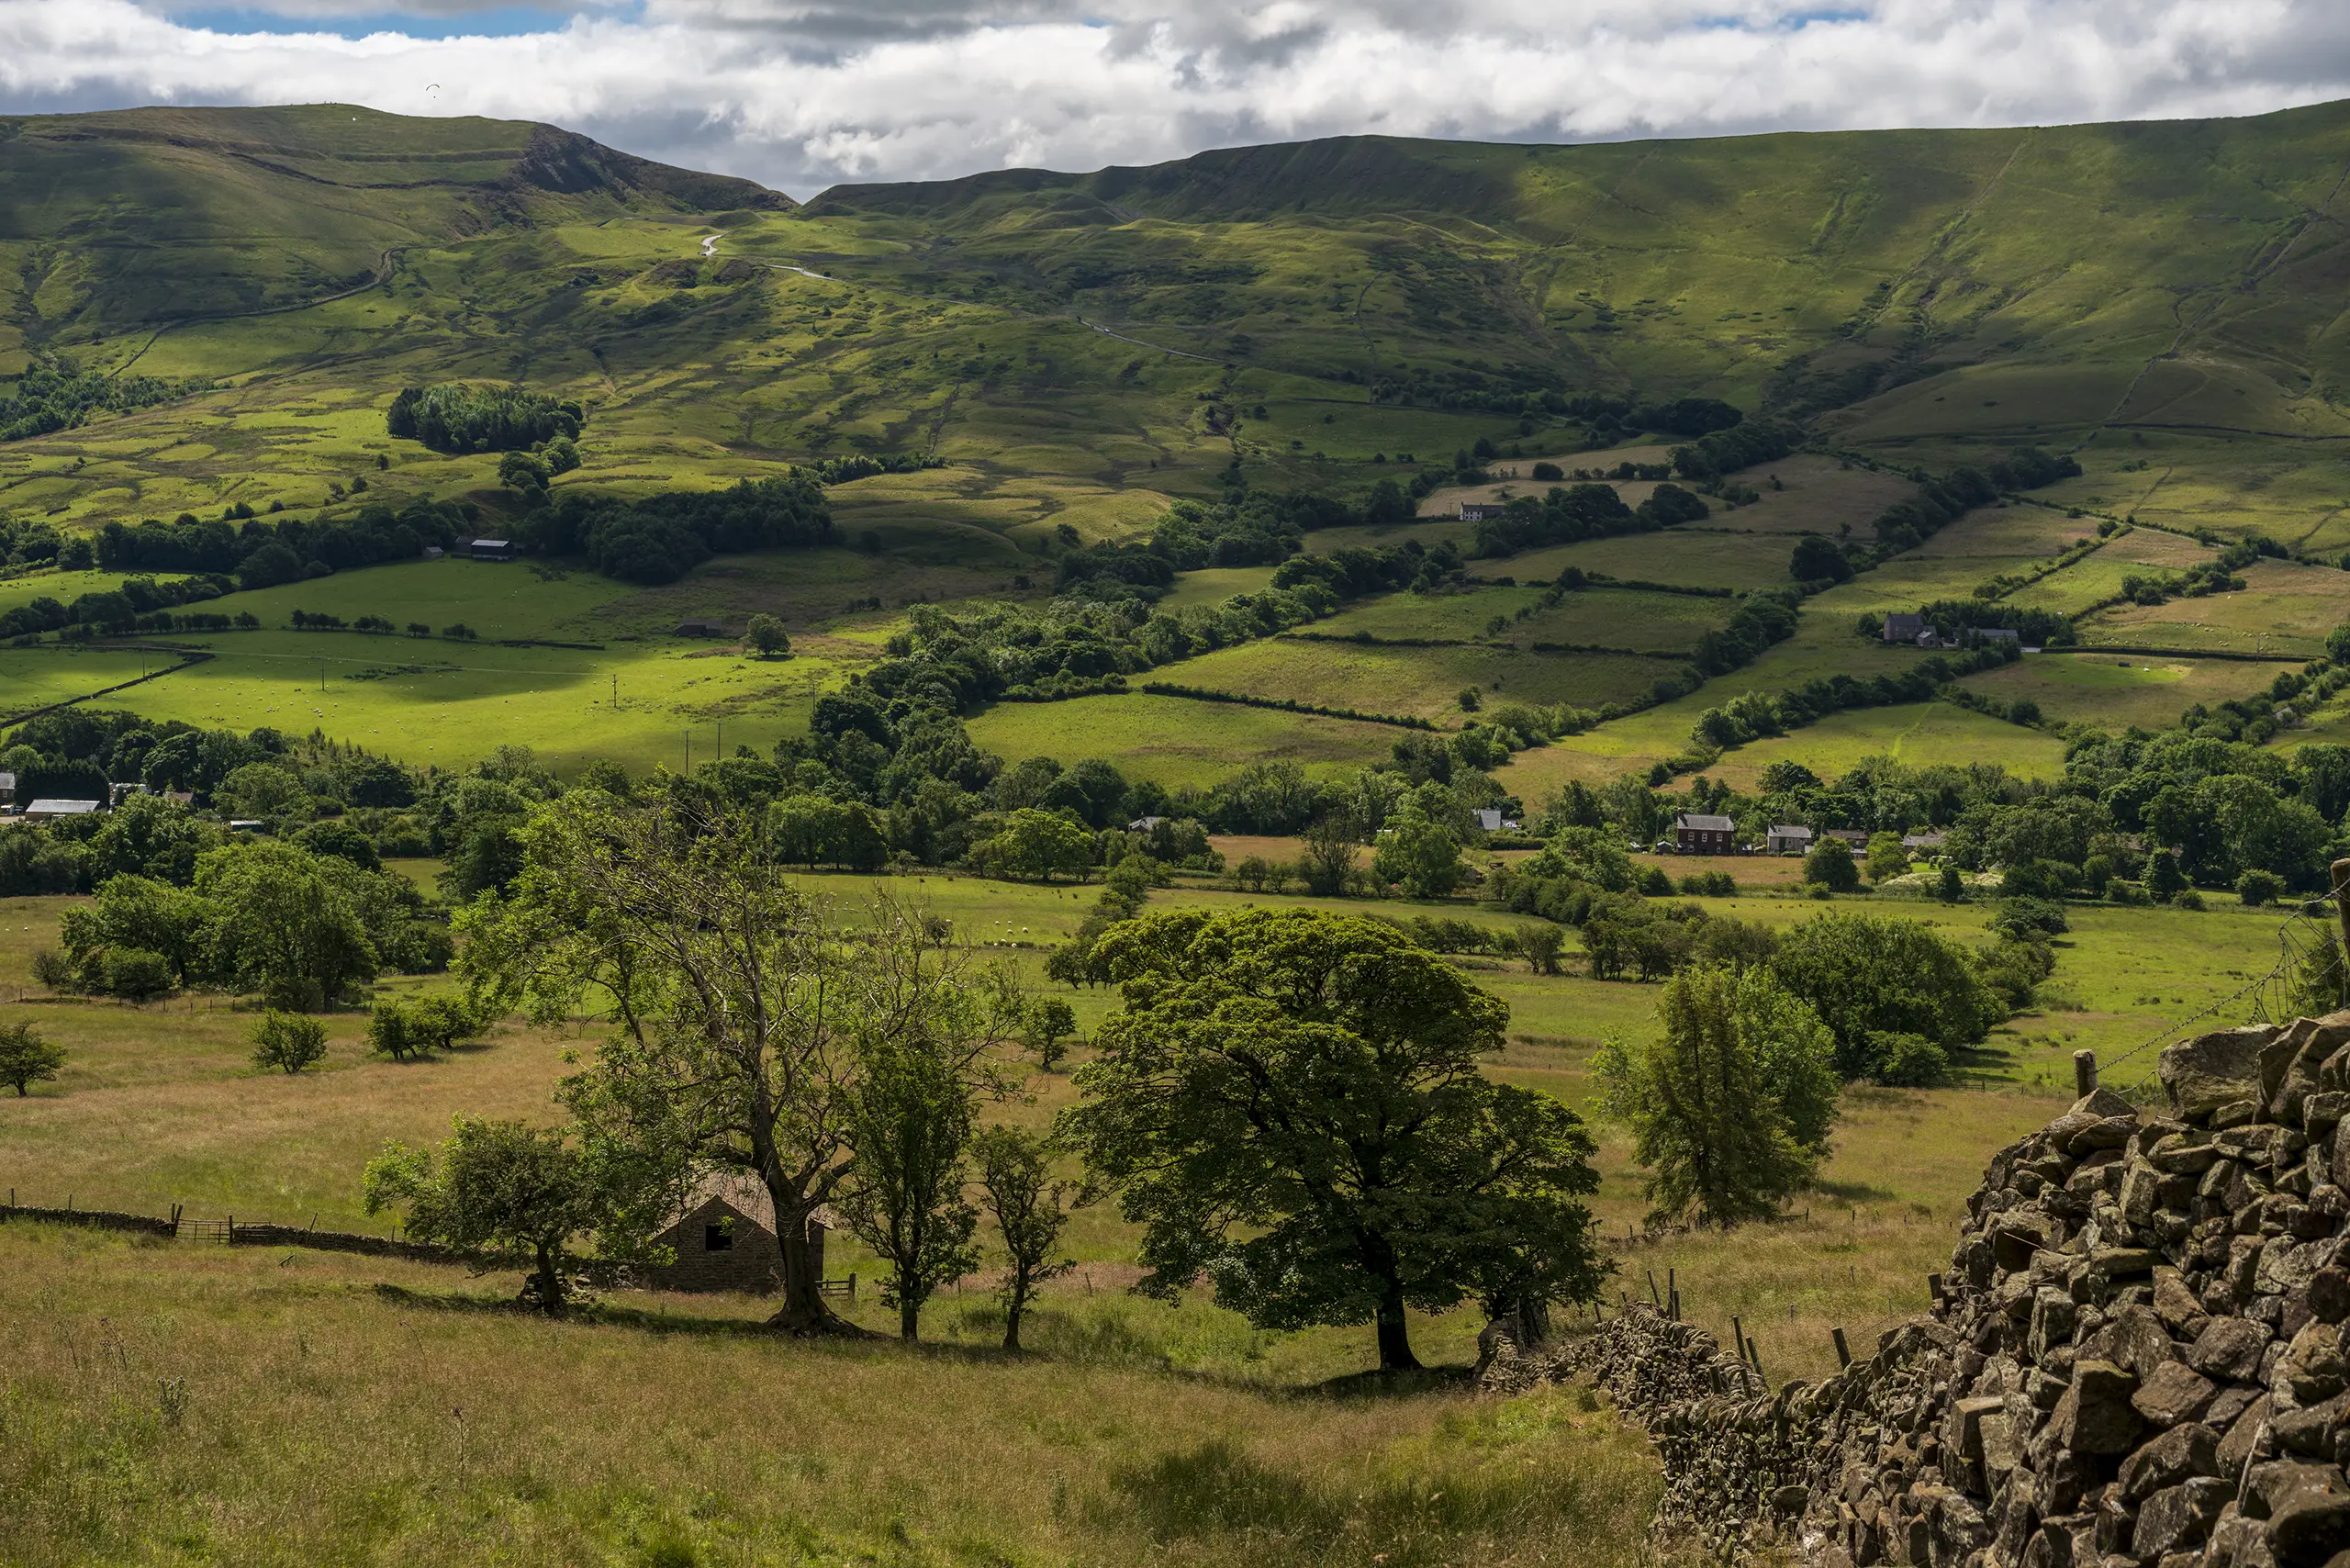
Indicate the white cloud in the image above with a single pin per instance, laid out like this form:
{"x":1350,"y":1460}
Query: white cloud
{"x":799,"y":94}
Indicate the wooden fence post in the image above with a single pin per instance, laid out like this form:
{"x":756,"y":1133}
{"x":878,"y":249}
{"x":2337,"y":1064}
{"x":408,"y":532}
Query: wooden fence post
{"x":1657,"y":1300}
{"x":2084,"y":1074}
{"x":1844,"y":1352}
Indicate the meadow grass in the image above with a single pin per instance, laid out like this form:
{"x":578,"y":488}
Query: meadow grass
{"x":1175,"y":740}
{"x":178,"y":1405}
{"x":1418,"y":682}
{"x":2117,"y":690}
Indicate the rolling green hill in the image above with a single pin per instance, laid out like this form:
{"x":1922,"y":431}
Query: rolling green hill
{"x":1077,"y":350}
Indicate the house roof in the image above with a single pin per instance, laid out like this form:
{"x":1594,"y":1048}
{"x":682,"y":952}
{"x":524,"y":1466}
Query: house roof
{"x":1699,"y":824}
{"x":1144,"y":825}
{"x":1934,"y":840}
{"x":493,"y":545}
{"x":1998,"y":635}
{"x":1790,"y":830}
{"x":62,"y":808}
{"x":747,"y":1196}
{"x":1904,"y":625}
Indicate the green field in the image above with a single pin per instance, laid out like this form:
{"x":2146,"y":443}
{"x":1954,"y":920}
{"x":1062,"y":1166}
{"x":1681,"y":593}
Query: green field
{"x":1177,"y":741}
{"x":1416,"y":682}
{"x":1616,"y":618}
{"x":1916,"y":735}
{"x":2117,"y":690}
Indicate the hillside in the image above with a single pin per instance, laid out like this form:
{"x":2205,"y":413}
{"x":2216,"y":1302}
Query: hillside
{"x":109,"y":221}
{"x":1077,"y":350}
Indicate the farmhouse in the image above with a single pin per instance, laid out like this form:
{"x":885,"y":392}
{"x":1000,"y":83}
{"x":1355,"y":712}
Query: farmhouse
{"x":1693,"y":833}
{"x":1491,"y":820}
{"x":1479,"y":511}
{"x":725,"y":1240}
{"x":1787,"y":838}
{"x":1903,"y":628}
{"x":7,"y":789}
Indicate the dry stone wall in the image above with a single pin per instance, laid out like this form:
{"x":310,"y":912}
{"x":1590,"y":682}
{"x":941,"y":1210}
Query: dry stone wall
{"x":2137,"y":1361}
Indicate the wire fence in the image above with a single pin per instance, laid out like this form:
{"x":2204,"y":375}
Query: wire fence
{"x":2308,"y":975}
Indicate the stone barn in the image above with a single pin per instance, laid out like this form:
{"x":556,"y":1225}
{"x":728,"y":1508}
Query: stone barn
{"x":726,"y":1241}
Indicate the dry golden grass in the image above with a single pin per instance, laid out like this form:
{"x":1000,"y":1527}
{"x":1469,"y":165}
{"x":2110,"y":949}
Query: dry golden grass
{"x":167,"y":1404}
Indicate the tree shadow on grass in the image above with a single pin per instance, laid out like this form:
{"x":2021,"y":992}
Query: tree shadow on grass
{"x":1853,"y":1192}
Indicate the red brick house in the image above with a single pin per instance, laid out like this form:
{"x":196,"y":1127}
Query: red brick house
{"x":725,"y":1241}
{"x":1693,"y":833}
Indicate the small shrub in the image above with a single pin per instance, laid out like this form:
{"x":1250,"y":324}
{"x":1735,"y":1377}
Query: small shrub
{"x":2256,"y":888}
{"x":1910,"y":1061}
{"x":136,"y":975}
{"x":289,"y":1042}
{"x":54,"y":969}
{"x":2191,"y":899}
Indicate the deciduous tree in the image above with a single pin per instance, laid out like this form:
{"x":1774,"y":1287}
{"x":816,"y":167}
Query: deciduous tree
{"x":510,"y":1193}
{"x":1730,"y":1107}
{"x":1290,"y":1104}
{"x":26,"y":1059}
{"x":910,"y":1115}
{"x":1030,"y":1210}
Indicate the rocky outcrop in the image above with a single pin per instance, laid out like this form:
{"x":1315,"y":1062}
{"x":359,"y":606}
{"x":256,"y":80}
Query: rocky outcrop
{"x":2137,"y":1361}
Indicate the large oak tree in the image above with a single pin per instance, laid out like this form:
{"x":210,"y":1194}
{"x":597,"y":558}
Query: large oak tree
{"x":1290,"y":1105}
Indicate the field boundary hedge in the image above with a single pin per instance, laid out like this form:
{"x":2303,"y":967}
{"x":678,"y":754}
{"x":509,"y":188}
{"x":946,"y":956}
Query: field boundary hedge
{"x":1282,"y":704}
{"x":189,"y":659}
{"x":2184,"y":653}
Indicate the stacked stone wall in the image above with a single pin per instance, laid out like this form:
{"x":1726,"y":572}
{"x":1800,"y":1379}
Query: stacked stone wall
{"x":2137,"y":1361}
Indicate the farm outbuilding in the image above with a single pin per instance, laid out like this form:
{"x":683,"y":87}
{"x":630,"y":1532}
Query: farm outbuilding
{"x":725,"y":1240}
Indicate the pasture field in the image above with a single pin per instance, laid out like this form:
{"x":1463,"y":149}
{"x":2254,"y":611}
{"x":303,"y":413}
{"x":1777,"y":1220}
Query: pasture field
{"x":447,"y":703}
{"x":1417,"y":682}
{"x":2283,"y":608}
{"x":1916,"y":735}
{"x":1694,"y":555}
{"x":62,"y":587}
{"x":2117,"y":690}
{"x":1662,"y":623}
{"x":1177,"y":740}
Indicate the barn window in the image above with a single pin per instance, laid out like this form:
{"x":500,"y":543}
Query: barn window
{"x":719,"y":1238}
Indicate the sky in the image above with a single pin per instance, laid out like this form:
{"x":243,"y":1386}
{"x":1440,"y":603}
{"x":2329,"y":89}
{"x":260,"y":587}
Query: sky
{"x":804,"y":94}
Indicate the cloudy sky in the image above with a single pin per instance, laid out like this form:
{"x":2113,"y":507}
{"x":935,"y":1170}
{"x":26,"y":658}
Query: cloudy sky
{"x":799,"y":94}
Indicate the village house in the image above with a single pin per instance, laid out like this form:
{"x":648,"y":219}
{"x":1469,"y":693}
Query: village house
{"x":1696,"y":834}
{"x":725,"y":1240}
{"x":1787,"y":838}
{"x":1851,"y":836}
{"x":1917,"y":841}
{"x":1491,"y":820}
{"x":1480,"y":511}
{"x":1903,"y":628}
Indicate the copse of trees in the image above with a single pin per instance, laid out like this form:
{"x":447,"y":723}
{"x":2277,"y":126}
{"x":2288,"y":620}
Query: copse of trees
{"x":264,"y":554}
{"x":746,"y":1020}
{"x":659,"y":538}
{"x":1564,"y":516}
{"x":54,"y":393}
{"x":462,"y":417}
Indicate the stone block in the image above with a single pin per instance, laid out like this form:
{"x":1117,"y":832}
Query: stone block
{"x":2244,"y":1434}
{"x":2132,"y":1338}
{"x":2311,"y":1369}
{"x":2177,"y":1455}
{"x":2229,"y":1347}
{"x":2212,"y":1071}
{"x":2311,"y":1432}
{"x":2178,"y":1518}
{"x":2094,"y":1417}
{"x":2174,"y":1392}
